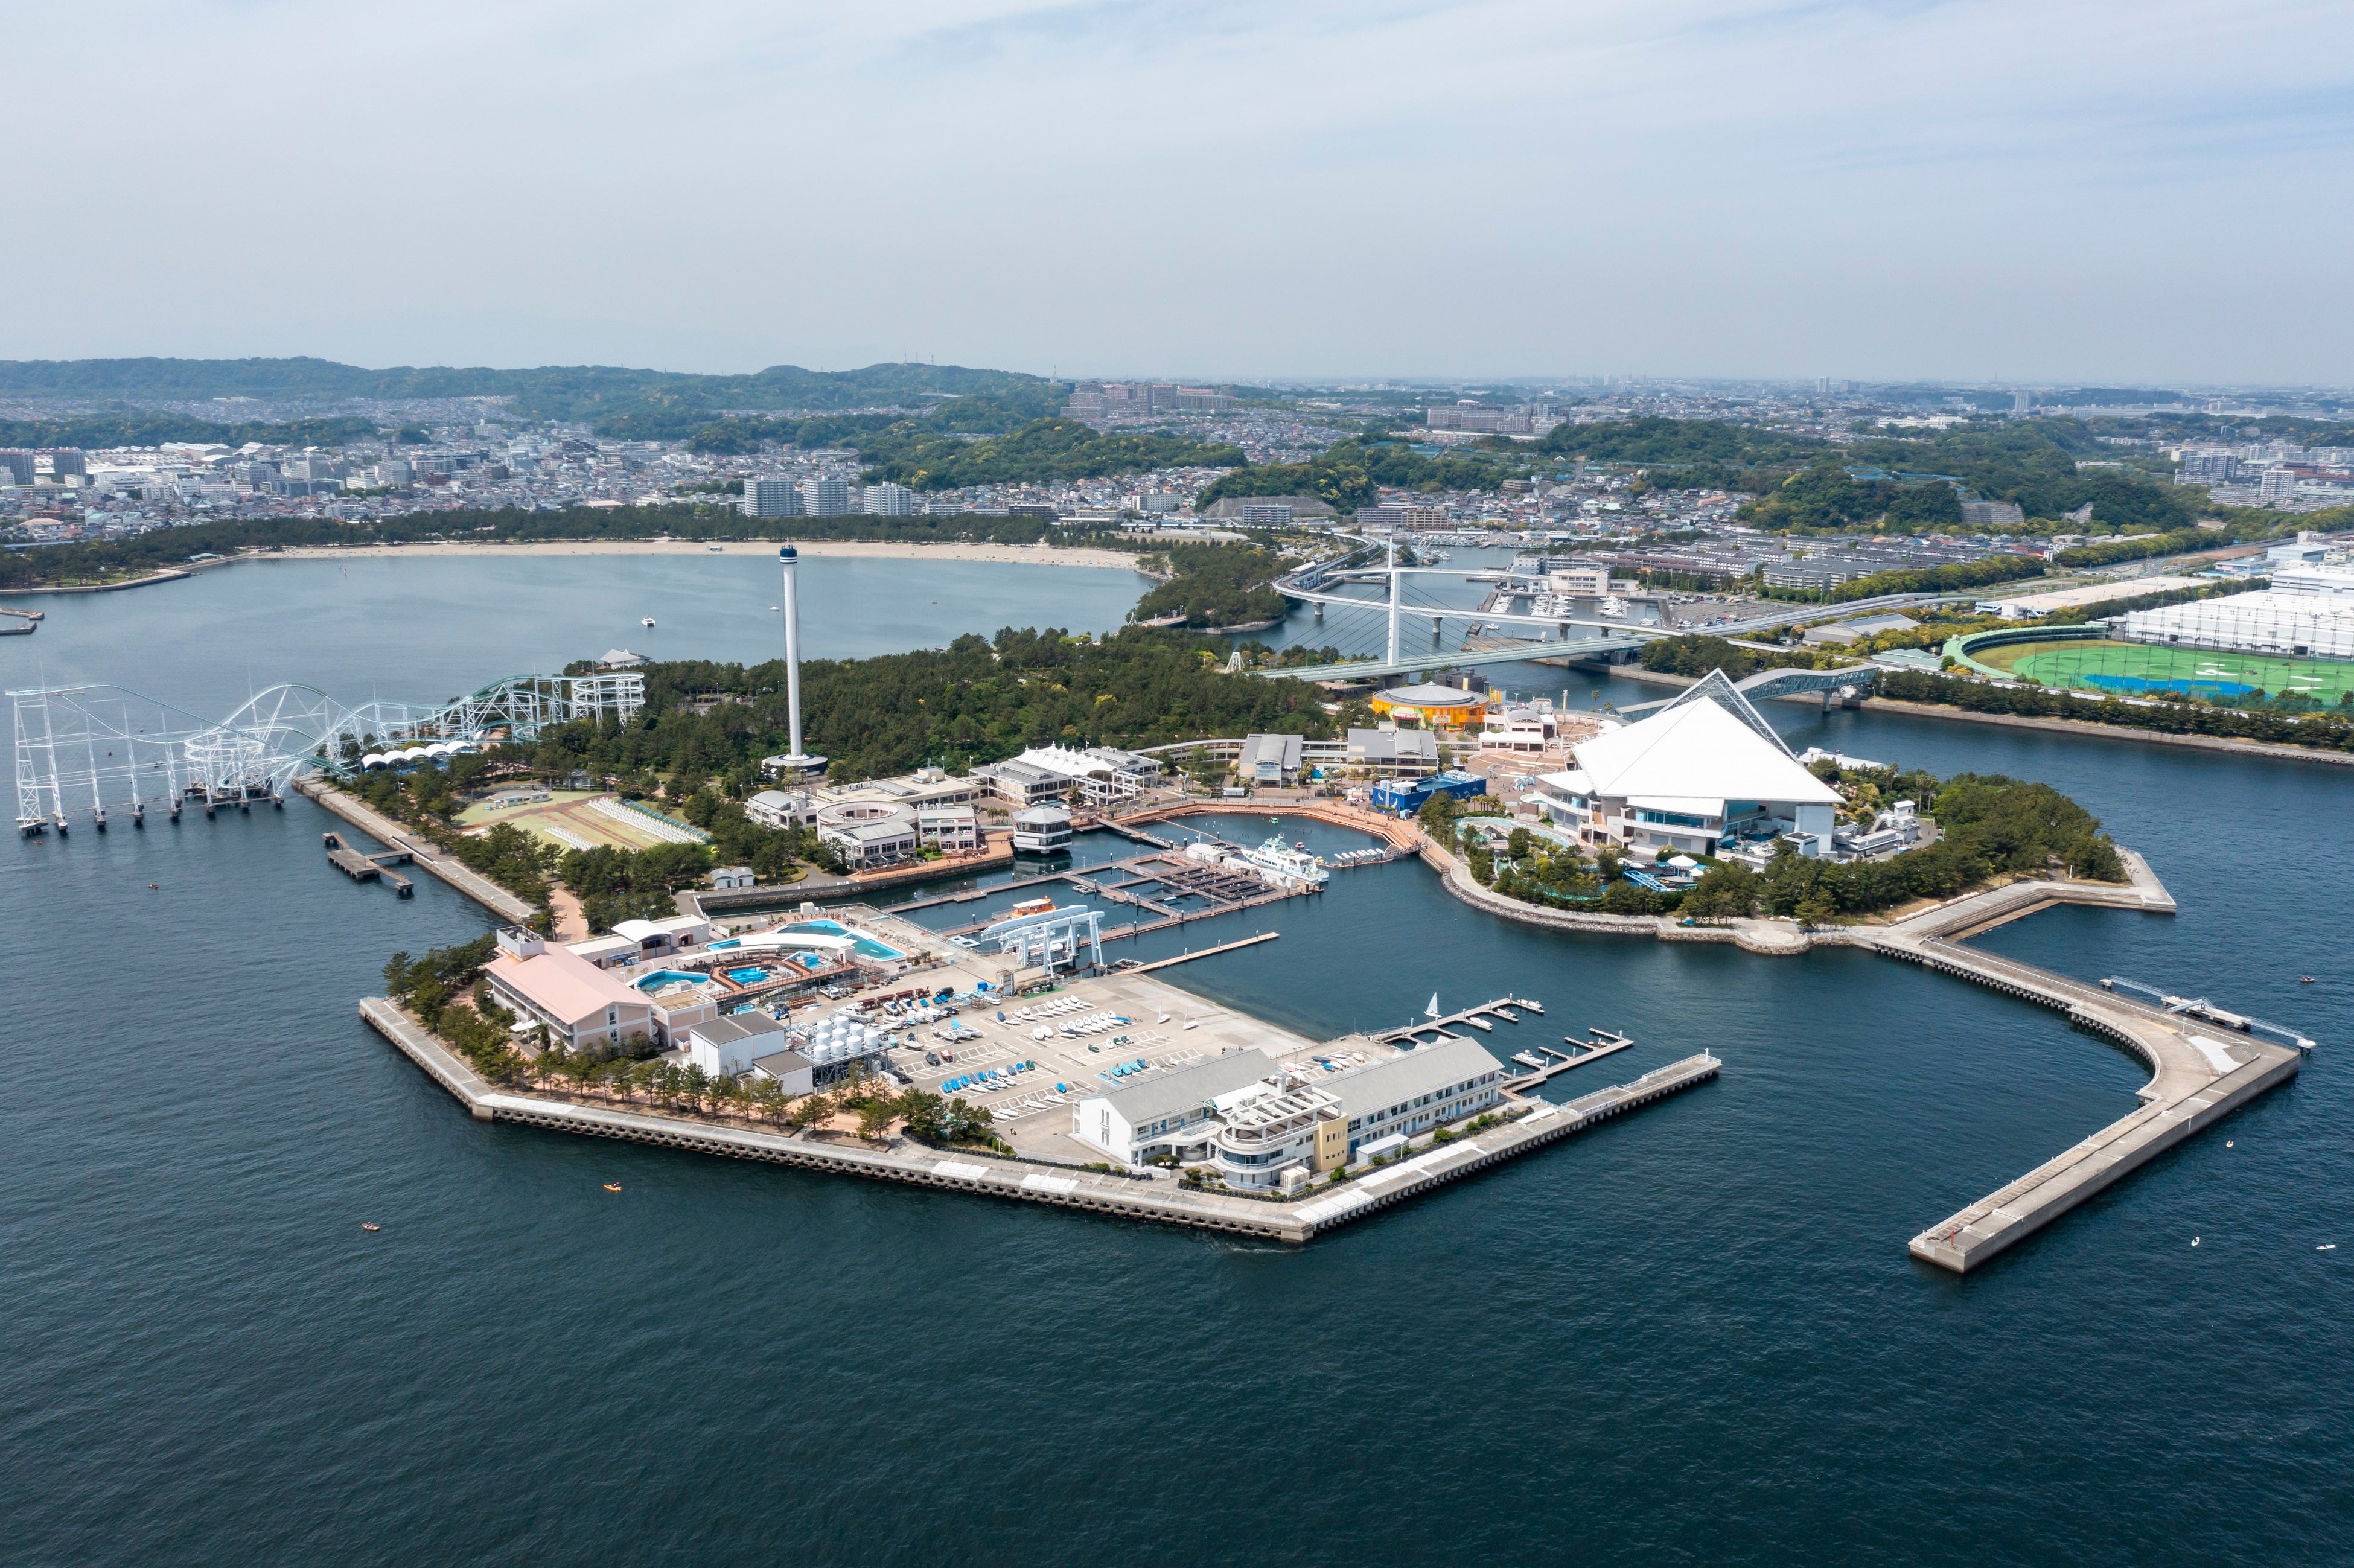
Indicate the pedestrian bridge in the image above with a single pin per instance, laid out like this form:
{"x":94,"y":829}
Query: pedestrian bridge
{"x":1766,"y":684}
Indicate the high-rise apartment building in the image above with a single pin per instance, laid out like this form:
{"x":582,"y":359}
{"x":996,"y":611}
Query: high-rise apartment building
{"x":771,"y":498}
{"x":825,"y":497}
{"x":888,"y":500}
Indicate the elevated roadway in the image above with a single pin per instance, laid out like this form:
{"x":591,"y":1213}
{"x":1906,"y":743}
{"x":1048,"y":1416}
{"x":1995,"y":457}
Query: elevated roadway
{"x":1308,"y":585}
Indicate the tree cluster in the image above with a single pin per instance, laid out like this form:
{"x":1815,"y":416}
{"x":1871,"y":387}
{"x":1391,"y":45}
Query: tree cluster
{"x":974,"y":701}
{"x":2288,"y":719}
{"x":1213,"y":585}
{"x":1987,"y":826}
{"x":1039,"y":453}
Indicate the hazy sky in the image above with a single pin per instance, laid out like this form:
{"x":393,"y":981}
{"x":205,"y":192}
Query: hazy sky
{"x":2013,"y":189}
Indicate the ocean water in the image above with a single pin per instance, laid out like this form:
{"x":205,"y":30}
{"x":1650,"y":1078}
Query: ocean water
{"x":1692,"y":1335}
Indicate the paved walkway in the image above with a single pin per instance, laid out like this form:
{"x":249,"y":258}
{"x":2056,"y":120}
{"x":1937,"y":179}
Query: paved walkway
{"x":429,"y":858}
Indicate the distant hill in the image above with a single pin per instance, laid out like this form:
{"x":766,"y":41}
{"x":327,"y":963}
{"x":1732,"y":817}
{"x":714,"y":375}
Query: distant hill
{"x":647,"y":404}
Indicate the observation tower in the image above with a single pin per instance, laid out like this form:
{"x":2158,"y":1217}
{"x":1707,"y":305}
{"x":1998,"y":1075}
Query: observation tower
{"x":795,"y":762}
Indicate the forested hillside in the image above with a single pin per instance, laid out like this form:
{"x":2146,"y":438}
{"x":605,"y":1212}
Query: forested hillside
{"x":975,"y":701}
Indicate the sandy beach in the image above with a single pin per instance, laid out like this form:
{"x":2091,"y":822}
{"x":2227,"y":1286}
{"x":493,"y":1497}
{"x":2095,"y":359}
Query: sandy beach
{"x":1019,"y":554}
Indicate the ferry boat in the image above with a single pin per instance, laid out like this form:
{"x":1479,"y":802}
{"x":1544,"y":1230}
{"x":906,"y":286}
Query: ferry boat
{"x":1294,"y":869}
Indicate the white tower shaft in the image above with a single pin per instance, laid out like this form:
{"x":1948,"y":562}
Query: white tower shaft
{"x":792,"y":654}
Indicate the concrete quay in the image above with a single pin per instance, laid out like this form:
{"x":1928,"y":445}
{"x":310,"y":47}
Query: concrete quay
{"x":2200,"y":1072}
{"x":1295,"y":1221}
{"x":421,"y":851}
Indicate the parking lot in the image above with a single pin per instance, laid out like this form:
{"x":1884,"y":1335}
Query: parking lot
{"x":1090,"y":1037}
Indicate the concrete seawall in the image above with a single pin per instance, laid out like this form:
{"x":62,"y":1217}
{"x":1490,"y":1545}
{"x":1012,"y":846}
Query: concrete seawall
{"x":428,"y":857}
{"x":2198,"y":1074}
{"x":1296,"y":1221}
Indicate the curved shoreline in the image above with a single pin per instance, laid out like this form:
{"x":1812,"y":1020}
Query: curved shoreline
{"x":895,"y":549}
{"x":2223,"y":743}
{"x":884,"y":549}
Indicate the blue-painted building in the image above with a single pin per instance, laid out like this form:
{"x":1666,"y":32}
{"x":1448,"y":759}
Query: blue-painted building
{"x":1408,"y":796}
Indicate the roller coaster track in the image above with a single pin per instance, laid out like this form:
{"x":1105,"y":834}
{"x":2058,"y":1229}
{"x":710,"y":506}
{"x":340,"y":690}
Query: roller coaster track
{"x":101,"y":747}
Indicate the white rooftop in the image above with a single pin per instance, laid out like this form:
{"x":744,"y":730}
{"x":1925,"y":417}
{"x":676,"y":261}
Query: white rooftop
{"x":1696,"y":753}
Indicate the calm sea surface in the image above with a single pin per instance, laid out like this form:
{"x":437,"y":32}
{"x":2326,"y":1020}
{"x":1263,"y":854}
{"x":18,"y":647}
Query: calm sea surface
{"x":1690,"y":1335}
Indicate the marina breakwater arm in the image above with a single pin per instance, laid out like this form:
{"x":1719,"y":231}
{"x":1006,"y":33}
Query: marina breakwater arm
{"x":426,"y":856}
{"x":1295,"y":1221}
{"x":2199,"y":1073}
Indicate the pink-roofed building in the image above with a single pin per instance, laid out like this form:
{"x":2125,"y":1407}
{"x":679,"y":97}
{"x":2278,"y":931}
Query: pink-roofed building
{"x":581,"y":1004}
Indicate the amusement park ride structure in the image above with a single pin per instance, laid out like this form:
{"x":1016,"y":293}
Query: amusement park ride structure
{"x":104,"y":749}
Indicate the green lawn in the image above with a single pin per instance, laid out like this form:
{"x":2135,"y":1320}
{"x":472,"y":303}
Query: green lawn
{"x":2130,"y":668}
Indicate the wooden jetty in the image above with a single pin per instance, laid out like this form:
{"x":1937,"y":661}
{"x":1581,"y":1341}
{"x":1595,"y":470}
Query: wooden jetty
{"x":377,"y":867}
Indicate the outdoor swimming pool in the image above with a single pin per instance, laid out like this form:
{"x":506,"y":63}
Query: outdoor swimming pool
{"x":867,"y":947}
{"x":661,"y":978}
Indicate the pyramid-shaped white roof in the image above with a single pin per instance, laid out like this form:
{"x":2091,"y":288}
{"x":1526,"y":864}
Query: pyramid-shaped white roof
{"x":1696,"y":752}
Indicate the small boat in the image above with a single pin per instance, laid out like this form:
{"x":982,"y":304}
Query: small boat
{"x":1532,"y":1007}
{"x":1481,"y":1024}
{"x":152,"y":888}
{"x":2301,"y":979}
{"x":2194,"y":1241}
{"x":370,"y":1225}
{"x":613,"y":1186}
{"x":1508,"y":1015}
{"x":2327,"y":1246}
{"x":1529,"y":1059}
{"x":649,"y":620}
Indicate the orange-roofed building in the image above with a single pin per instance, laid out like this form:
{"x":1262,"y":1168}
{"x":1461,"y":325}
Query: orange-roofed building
{"x":581,"y":1004}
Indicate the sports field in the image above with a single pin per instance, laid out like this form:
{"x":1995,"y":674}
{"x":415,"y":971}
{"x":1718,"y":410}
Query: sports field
{"x":2131,"y":669}
{"x":575,"y":820}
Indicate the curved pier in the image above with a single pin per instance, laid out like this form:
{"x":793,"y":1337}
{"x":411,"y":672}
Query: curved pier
{"x":2200,"y":1072}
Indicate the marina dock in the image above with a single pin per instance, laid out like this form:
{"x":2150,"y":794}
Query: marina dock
{"x":362,"y":867}
{"x":1551,"y":1064}
{"x":1511,"y":1010}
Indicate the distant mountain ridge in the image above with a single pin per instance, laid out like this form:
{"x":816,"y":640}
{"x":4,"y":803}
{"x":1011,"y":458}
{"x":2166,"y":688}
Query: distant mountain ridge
{"x":655,"y":404}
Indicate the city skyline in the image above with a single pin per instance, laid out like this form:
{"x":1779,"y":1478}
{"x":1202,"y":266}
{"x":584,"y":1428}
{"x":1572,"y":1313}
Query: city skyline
{"x":1986,"y":194}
